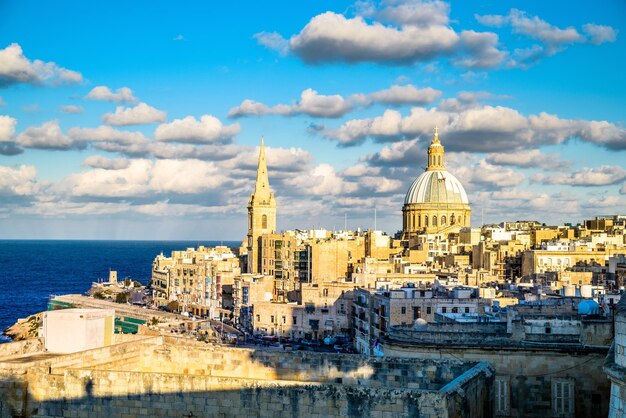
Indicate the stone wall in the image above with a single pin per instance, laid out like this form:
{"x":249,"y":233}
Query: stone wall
{"x":168,"y":377}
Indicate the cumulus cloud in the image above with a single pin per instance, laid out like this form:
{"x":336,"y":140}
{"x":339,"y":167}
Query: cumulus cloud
{"x":19,"y":181}
{"x":599,"y":34}
{"x":69,"y":109}
{"x":122,"y":95}
{"x":322,"y":180}
{"x":138,"y":115}
{"x":490,"y":176}
{"x":143,"y":177}
{"x":480,"y":128}
{"x":596,"y":176}
{"x":98,"y":161}
{"x":528,"y":159}
{"x":274,"y":41}
{"x":7,"y":128}
{"x":47,"y":136}
{"x":405,"y":94}
{"x":313,"y":104}
{"x":479,"y":50}
{"x":552,"y":39}
{"x":190,"y":130}
{"x":332,"y":37}
{"x":15,"y":68}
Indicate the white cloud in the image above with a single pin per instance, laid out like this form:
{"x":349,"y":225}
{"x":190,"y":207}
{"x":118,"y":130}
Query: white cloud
{"x":552,"y":39}
{"x":528,"y":158}
{"x":596,"y":176}
{"x":333,"y":106}
{"x":311,"y":103}
{"x":333,"y":37}
{"x":480,"y":128}
{"x":206,"y":130}
{"x":98,"y":161}
{"x":405,"y":94}
{"x":479,"y":50}
{"x":7,"y":128}
{"x":123,"y":95}
{"x":138,"y":115}
{"x":622,"y":189}
{"x":320,"y":181}
{"x":178,"y":37}
{"x":274,"y":41}
{"x":71,"y":109}
{"x":46,"y":136}
{"x":411,"y":12}
{"x":16,"y":68}
{"x":143,"y":178}
{"x":599,"y":34}
{"x":106,"y":134}
{"x":20,"y":181}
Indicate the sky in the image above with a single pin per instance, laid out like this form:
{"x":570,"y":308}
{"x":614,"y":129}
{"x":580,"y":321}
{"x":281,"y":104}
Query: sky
{"x":142,"y":120}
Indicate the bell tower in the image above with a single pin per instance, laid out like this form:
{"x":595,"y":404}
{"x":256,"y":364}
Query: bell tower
{"x":261,"y":213}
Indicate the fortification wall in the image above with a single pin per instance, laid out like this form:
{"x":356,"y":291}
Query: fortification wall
{"x":149,"y":378}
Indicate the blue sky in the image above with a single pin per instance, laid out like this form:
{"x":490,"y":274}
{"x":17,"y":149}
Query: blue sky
{"x":528,"y":96}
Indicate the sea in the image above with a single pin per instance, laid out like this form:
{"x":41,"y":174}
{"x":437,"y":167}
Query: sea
{"x":31,"y":271}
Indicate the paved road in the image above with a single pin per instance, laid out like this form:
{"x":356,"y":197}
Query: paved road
{"x":217,"y":326}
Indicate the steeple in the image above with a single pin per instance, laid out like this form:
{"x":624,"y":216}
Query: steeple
{"x":261,"y":213}
{"x":435,"y":153}
{"x":262,"y":186}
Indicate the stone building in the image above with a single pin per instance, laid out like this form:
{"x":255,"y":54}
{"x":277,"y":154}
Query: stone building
{"x":436,"y":202}
{"x":194,"y":278}
{"x":261,"y":214}
{"x":546,"y":365}
{"x":615,"y":364}
{"x":376,"y":311}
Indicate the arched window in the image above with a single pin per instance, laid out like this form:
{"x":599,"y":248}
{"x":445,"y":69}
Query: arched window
{"x":434,"y":221}
{"x":452,"y":219}
{"x":419,"y":221}
{"x":264,"y":221}
{"x":443,"y":220}
{"x":425,"y":220}
{"x":413,"y":223}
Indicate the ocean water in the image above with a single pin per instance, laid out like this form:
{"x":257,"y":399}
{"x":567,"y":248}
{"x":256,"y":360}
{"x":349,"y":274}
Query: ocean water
{"x":32,"y":270}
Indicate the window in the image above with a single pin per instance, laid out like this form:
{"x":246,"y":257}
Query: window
{"x":258,"y":318}
{"x":428,"y":310}
{"x":272,"y":319}
{"x":264,"y":221}
{"x":295,"y":320}
{"x":325,"y":292}
{"x":455,"y":310}
{"x":443,"y":220}
{"x":434,"y":221}
{"x":502,"y":397}
{"x":284,"y":319}
{"x":425,"y":220}
{"x":403,"y":310}
{"x":444,"y":309}
{"x":563,"y":398}
{"x":467,"y":310}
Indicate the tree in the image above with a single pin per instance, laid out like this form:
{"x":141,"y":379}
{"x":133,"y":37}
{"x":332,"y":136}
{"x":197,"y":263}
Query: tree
{"x":99,"y":295}
{"x":122,"y":297}
{"x":172,"y":306}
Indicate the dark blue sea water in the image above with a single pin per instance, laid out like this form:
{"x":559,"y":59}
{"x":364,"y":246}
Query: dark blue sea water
{"x":31,"y":271}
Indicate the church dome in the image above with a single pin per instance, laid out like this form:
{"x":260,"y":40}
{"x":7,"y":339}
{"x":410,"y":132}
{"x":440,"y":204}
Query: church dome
{"x":437,"y":186}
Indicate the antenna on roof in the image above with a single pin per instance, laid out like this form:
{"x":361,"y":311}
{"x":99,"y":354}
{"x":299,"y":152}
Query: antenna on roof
{"x":374,"y":218}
